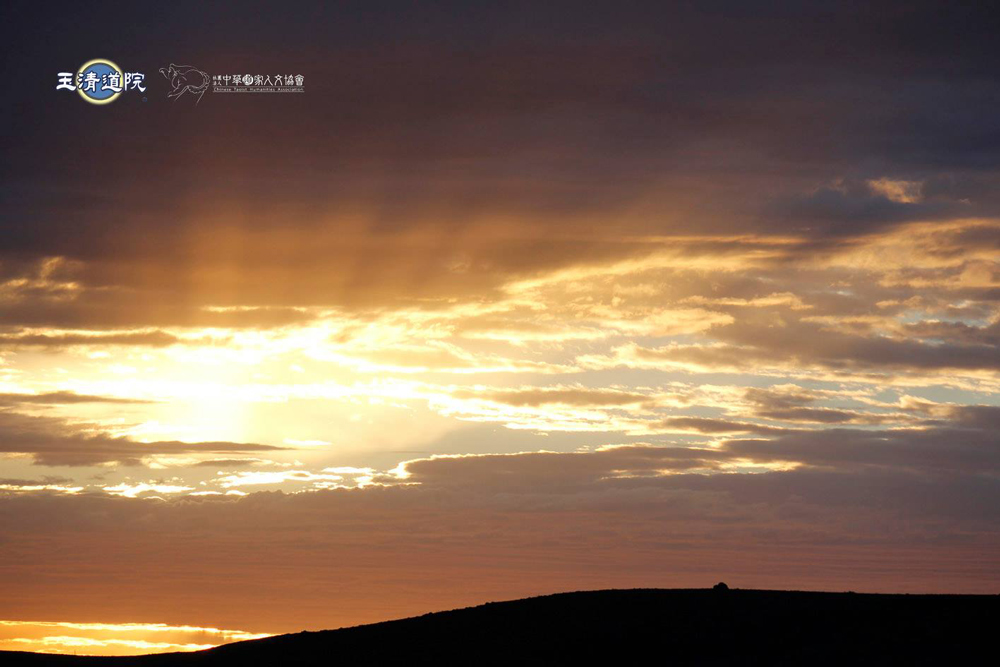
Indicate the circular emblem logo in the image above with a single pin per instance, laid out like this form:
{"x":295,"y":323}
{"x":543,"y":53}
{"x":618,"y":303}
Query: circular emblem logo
{"x":100,"y":81}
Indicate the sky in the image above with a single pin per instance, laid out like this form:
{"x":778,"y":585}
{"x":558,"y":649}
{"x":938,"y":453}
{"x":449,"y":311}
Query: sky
{"x":509,"y":300}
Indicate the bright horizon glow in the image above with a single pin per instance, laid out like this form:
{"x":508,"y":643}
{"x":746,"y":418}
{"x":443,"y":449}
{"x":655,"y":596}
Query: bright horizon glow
{"x":113,"y":638}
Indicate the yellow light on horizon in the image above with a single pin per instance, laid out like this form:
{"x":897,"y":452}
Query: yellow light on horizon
{"x":66,"y":637}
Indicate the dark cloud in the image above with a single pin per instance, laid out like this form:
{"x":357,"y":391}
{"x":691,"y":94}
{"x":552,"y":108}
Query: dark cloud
{"x":54,"y":442}
{"x":932,"y":450}
{"x":807,"y":343}
{"x":781,"y":397}
{"x":97,"y":309}
{"x":228,"y":463}
{"x":150,"y":338}
{"x":711,"y":425}
{"x":957,"y":332}
{"x":980,"y":417}
{"x":815,"y":415}
{"x":527,"y":471}
{"x":64,"y":398}
{"x":575,"y":396}
{"x":854,"y":209}
{"x":472,"y":139}
{"x":792,"y":404}
{"x":756,"y":341}
{"x":47,"y":479}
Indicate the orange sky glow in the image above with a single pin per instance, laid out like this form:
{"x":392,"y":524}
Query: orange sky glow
{"x":533,"y":319}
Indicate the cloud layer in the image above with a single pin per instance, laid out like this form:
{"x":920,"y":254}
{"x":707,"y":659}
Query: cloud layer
{"x":512,"y":300}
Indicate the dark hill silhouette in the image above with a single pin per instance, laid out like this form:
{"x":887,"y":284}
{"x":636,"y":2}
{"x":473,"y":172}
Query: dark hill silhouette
{"x":687,"y":627}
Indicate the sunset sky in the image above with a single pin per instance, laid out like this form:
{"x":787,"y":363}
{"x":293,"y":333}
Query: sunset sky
{"x":512,"y":299}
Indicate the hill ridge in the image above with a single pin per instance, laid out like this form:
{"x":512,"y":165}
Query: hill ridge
{"x":689,"y":626}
